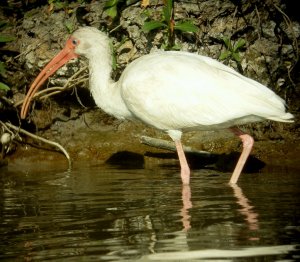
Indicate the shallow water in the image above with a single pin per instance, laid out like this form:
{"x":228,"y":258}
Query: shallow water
{"x":98,"y":213}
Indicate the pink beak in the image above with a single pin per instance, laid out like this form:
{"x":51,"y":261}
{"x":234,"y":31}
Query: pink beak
{"x":57,"y":62}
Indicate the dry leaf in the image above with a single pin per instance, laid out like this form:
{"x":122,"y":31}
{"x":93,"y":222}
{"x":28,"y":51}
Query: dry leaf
{"x":145,"y":3}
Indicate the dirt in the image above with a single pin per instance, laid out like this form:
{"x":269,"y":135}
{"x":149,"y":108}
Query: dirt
{"x":118,"y":143}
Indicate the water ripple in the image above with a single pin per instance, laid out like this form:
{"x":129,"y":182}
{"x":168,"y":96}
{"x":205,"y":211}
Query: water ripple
{"x":99,"y":213}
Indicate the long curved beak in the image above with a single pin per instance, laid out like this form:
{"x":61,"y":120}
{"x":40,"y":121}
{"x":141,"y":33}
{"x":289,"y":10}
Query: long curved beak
{"x":57,"y":62}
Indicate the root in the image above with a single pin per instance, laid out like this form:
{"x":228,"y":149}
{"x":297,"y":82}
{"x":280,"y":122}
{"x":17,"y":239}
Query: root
{"x":9,"y":127}
{"x":73,"y":81}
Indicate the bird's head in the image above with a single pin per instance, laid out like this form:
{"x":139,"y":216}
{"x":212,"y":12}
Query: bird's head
{"x":81,"y":42}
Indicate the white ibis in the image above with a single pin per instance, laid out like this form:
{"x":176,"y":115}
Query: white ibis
{"x":171,"y":91}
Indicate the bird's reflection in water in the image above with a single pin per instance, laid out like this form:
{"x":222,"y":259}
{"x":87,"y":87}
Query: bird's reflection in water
{"x":251,"y":217}
{"x":247,"y":210}
{"x":187,"y":204}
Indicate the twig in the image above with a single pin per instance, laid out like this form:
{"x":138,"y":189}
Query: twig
{"x":259,"y":22}
{"x":163,"y":144}
{"x":35,"y":45}
{"x":55,"y":90}
{"x":295,"y":42}
{"x":4,"y":126}
{"x":115,"y":28}
{"x":20,"y":130}
{"x":78,"y":98}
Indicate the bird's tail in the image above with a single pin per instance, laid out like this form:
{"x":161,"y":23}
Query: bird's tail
{"x":287,"y":117}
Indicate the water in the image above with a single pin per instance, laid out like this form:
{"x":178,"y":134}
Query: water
{"x":98,"y":213}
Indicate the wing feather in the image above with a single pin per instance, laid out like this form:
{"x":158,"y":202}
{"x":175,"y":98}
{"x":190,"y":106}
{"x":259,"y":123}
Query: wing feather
{"x":178,"y":90}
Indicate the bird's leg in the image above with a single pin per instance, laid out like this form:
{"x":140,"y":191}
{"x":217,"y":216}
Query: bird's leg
{"x":185,"y":170}
{"x":248,"y":142}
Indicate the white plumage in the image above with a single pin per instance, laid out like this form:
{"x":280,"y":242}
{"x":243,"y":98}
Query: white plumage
{"x":187,"y":91}
{"x":172,"y":91}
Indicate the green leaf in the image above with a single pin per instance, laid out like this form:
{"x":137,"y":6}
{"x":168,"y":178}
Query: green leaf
{"x":59,"y":5}
{"x":111,"y":3}
{"x":4,"y":87}
{"x":186,"y":27}
{"x":167,"y":10}
{"x":114,"y":57}
{"x":227,"y":42}
{"x":151,"y":25}
{"x":176,"y":47}
{"x":167,"y":14}
{"x":2,"y":68}
{"x":236,"y":57}
{"x":111,"y":8}
{"x":239,"y":44}
{"x":112,"y":11}
{"x":6,"y":38}
{"x":169,"y":4}
{"x":225,"y":55}
{"x":70,"y":26}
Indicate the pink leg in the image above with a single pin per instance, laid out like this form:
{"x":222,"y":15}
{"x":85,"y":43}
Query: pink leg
{"x":185,"y":170}
{"x":248,"y":142}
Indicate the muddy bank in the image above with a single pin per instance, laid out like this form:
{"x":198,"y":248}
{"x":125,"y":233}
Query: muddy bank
{"x":119,"y":144}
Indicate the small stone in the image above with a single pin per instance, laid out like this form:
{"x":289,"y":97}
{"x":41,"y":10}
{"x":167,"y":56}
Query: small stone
{"x":5,"y":138}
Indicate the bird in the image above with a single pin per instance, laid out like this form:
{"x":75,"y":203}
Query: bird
{"x":172,"y":91}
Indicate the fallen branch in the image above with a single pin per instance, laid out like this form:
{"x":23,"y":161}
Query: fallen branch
{"x":46,"y":141}
{"x":167,"y":145}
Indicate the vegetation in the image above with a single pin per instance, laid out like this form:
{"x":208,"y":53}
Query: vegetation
{"x":169,"y":25}
{"x":233,"y":51}
{"x":112,"y":7}
{"x":167,"y":22}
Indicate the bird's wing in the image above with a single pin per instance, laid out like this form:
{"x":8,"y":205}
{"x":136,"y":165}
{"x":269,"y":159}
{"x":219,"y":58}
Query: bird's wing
{"x":177,"y":90}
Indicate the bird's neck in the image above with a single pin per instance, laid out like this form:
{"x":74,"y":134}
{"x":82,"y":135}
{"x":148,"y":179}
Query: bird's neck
{"x":105,"y":91}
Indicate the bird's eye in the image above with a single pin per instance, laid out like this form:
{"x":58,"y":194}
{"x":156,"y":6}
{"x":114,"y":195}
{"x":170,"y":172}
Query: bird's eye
{"x":74,"y":42}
